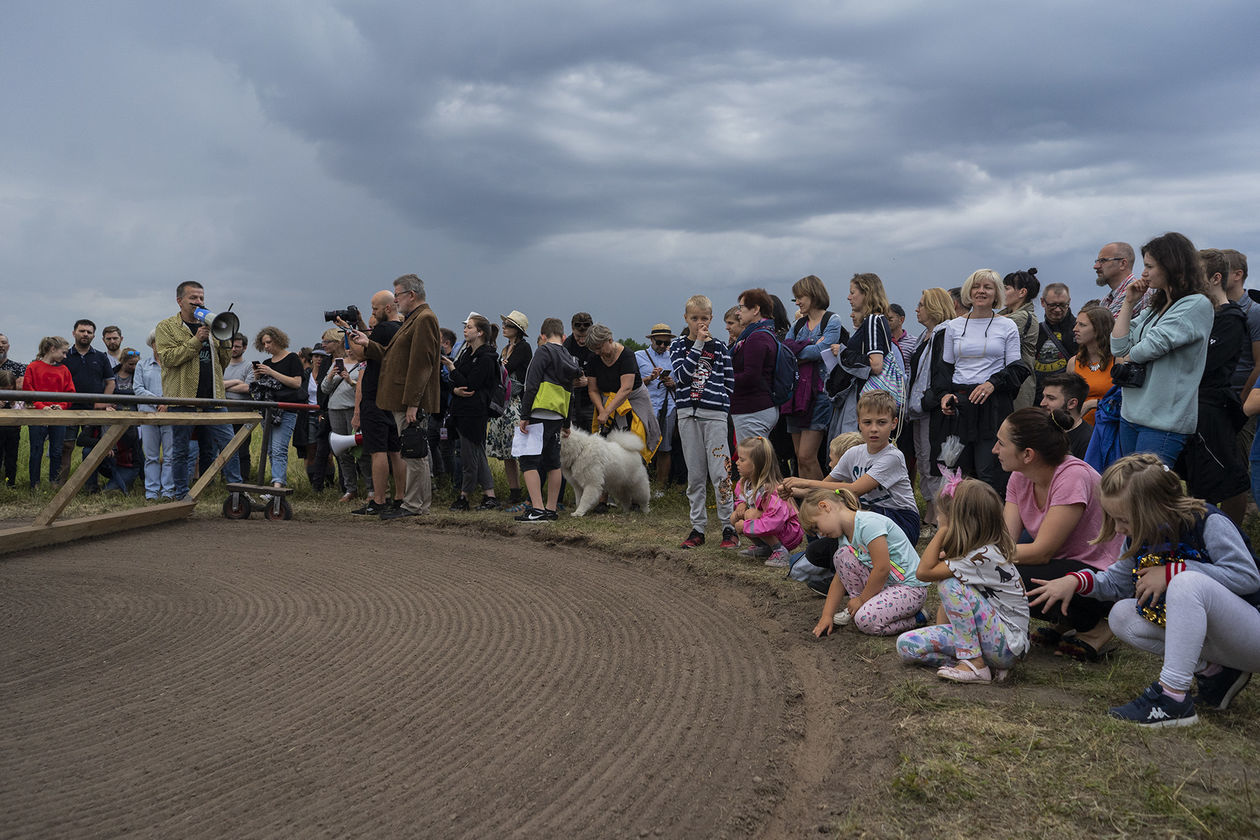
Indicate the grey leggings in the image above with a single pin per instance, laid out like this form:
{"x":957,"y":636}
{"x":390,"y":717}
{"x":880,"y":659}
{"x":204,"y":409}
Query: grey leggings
{"x":1206,"y":624}
{"x":472,"y":456}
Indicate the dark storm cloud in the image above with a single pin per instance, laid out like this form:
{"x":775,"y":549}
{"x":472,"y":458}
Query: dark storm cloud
{"x":504,"y":124}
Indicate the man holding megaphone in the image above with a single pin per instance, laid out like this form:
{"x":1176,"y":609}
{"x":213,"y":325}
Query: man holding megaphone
{"x":193,"y":347}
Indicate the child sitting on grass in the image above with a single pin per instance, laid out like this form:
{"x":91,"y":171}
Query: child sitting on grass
{"x":986,"y":611}
{"x":875,"y":585}
{"x":768,"y":521}
{"x":1188,"y":587}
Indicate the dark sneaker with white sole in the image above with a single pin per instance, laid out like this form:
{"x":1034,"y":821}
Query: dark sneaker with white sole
{"x":370,"y":509}
{"x":1154,"y":709}
{"x":1216,"y":691}
{"x":532,"y":515}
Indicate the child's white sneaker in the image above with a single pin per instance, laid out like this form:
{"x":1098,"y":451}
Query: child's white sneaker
{"x":842,"y":618}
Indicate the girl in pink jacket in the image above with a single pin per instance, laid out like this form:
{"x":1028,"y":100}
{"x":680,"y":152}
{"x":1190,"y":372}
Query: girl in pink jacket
{"x":769,"y":522}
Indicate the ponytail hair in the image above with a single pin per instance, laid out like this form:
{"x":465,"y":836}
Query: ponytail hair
{"x":808,"y":513}
{"x":1041,"y":430}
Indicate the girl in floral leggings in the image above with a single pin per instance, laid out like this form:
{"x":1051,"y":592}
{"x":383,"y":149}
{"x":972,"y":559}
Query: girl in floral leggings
{"x":983,"y":599}
{"x":875,"y":585}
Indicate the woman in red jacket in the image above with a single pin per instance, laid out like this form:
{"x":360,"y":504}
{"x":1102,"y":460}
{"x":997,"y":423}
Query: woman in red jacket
{"x":47,"y":373}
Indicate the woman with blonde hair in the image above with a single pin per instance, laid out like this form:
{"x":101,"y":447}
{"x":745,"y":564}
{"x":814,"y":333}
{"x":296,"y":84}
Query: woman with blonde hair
{"x":981,"y":371}
{"x":935,"y":309}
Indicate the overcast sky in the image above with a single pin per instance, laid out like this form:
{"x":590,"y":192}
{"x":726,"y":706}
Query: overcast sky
{"x":604,"y":156}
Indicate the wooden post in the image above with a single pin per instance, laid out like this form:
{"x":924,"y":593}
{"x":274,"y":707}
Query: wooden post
{"x":80,"y":476}
{"x":226,"y":453}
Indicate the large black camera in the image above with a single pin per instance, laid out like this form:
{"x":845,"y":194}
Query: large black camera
{"x":350,"y":315}
{"x":1128,"y":374}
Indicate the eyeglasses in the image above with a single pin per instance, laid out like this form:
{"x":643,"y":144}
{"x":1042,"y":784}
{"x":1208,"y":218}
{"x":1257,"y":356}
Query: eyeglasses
{"x":660,"y":342}
{"x":1055,"y":305}
{"x":1102,"y":260}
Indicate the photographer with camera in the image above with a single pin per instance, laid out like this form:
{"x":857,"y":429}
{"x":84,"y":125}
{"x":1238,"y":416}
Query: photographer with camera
{"x":1161,"y":353}
{"x":408,"y":386}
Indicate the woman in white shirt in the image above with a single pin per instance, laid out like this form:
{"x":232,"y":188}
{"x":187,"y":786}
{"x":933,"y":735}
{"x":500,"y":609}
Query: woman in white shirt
{"x":981,"y":372}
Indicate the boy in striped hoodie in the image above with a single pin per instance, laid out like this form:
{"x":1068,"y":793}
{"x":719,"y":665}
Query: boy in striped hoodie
{"x":704,"y":382}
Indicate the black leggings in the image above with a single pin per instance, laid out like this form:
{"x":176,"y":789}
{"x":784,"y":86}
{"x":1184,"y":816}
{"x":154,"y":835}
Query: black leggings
{"x":1083,"y":612}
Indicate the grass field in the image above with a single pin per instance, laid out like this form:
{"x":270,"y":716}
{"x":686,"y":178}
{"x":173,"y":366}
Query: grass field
{"x":1038,"y":759}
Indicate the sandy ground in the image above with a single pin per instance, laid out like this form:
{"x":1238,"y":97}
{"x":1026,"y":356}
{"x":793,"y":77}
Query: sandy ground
{"x":254,"y":679}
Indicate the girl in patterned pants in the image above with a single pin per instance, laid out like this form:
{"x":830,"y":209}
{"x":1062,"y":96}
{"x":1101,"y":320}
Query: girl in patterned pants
{"x":981,"y":593}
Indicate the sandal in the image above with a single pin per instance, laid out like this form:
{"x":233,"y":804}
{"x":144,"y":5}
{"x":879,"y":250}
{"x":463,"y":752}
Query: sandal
{"x":964,"y":672}
{"x":1048,"y":636}
{"x":1081,"y":650}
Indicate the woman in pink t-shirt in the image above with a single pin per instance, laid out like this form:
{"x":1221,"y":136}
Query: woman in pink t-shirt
{"x":1054,"y":497}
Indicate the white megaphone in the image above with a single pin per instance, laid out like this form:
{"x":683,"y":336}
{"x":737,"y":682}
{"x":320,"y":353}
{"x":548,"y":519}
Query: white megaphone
{"x":340,"y":443}
{"x":223,"y":325}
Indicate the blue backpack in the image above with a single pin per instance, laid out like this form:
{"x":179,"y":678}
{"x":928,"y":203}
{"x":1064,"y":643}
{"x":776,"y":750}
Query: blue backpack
{"x":783,"y":386}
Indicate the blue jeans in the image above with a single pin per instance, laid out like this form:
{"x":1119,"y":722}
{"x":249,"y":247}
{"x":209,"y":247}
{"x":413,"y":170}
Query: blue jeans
{"x":1135,"y":438}
{"x":220,"y":436}
{"x":278,"y":454}
{"x":55,"y":435}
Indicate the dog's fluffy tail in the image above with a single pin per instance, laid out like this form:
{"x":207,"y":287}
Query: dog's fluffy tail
{"x":628,"y":441}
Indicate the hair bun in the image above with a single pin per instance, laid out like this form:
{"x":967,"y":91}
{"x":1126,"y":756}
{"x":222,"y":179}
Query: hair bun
{"x":1062,"y":420}
{"x":1032,"y":271}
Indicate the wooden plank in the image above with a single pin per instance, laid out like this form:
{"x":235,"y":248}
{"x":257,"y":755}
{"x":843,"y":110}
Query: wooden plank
{"x":37,"y":417}
{"x":81,"y":473}
{"x":37,"y":536}
{"x":226,"y":453}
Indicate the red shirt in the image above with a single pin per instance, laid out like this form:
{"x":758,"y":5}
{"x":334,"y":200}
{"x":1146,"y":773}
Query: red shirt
{"x":41,"y":376}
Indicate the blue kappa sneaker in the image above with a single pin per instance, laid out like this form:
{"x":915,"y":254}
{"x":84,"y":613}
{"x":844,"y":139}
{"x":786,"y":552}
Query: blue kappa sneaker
{"x":1154,"y":709}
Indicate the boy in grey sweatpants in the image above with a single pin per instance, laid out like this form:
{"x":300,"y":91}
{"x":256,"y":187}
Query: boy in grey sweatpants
{"x":704,"y":381}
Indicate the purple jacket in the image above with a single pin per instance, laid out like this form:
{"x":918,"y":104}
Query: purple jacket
{"x":753,"y":357}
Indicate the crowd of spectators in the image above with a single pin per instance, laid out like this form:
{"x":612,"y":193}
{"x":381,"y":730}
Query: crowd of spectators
{"x":1037,"y":408}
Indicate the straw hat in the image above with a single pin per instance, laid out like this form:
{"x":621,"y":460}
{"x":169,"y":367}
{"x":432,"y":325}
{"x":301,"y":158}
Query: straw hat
{"x":517,"y":319}
{"x":661,"y":331}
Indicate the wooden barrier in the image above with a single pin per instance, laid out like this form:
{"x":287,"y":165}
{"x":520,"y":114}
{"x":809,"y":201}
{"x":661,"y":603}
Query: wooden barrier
{"x":47,"y":530}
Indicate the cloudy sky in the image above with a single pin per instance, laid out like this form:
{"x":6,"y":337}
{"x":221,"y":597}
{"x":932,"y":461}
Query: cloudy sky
{"x":604,"y":156}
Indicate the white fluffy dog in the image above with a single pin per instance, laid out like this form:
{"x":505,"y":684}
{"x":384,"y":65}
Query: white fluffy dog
{"x":594,"y":464}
